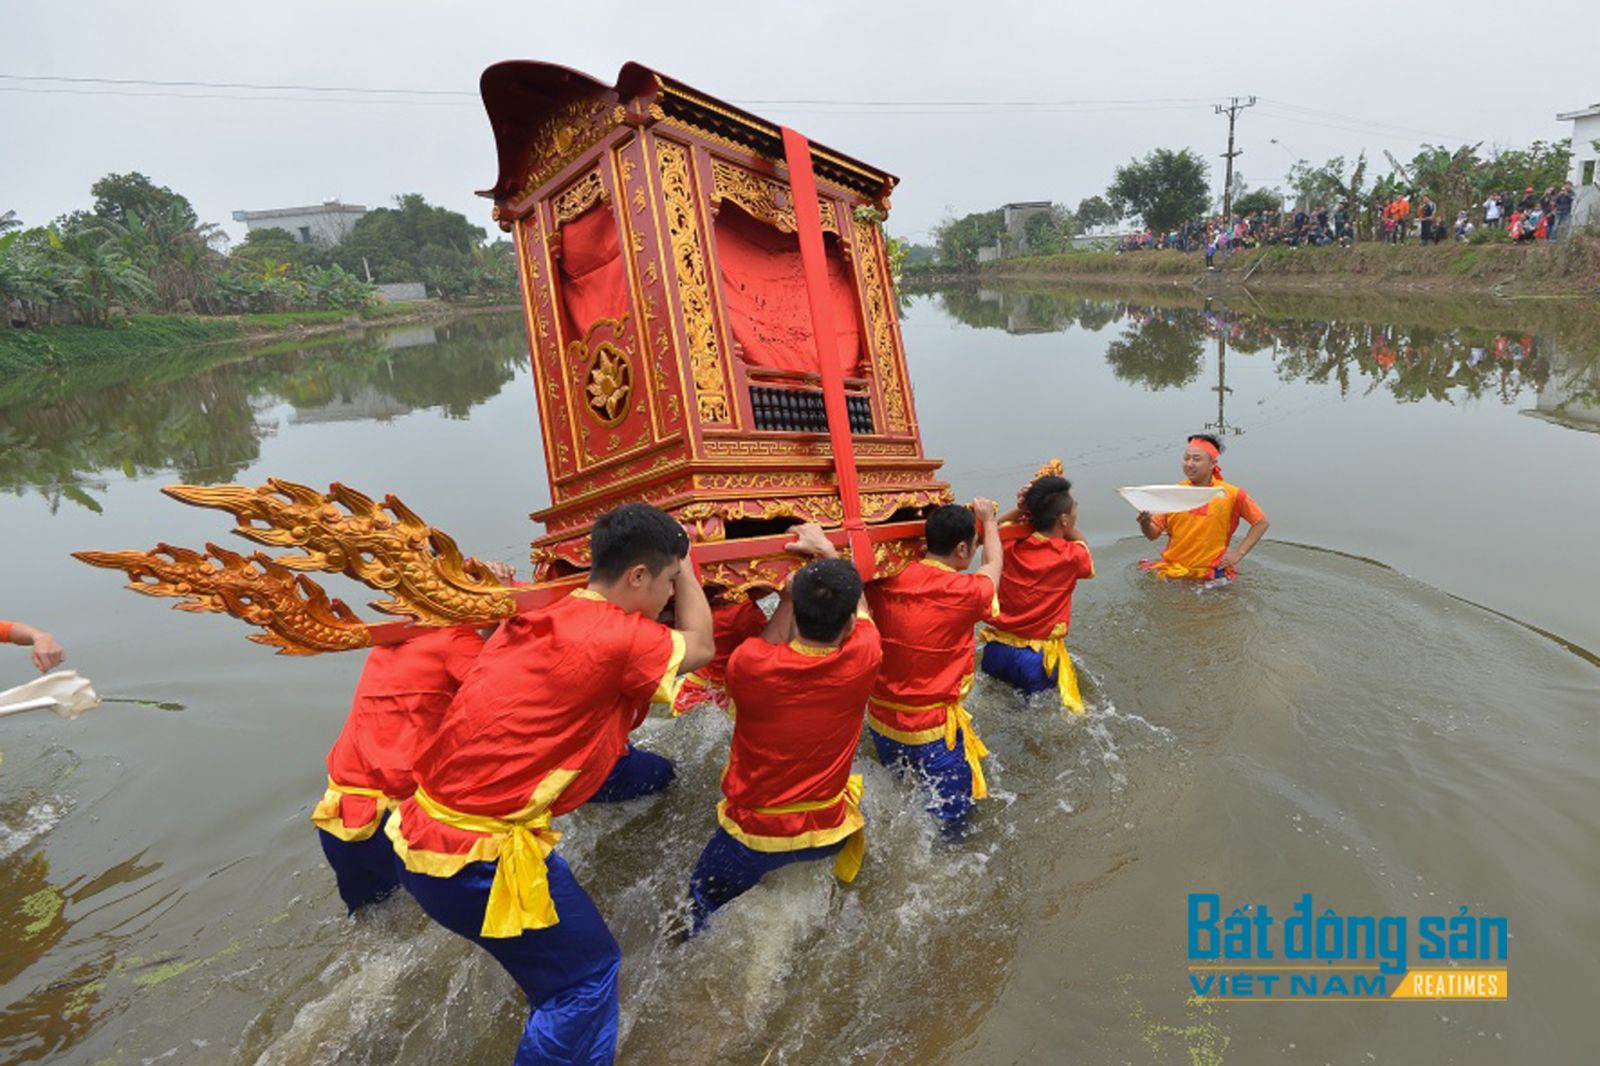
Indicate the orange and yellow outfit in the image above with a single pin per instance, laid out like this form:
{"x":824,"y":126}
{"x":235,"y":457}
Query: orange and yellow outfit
{"x":926,"y":615}
{"x":1198,"y":539}
{"x":1026,"y":645}
{"x":788,"y":791}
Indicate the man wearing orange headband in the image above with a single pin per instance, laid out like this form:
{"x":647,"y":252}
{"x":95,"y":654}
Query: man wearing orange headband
{"x":1198,"y":540}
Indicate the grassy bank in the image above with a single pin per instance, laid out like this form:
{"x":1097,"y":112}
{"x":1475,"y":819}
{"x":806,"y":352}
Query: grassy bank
{"x":72,"y":347}
{"x":1565,"y":268}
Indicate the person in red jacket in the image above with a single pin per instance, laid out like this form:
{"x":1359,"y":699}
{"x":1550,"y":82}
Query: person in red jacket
{"x":733,"y":624}
{"x":799,"y":692}
{"x":1045,"y":558}
{"x":403,"y":692}
{"x":535,"y":731}
{"x":927,"y":614}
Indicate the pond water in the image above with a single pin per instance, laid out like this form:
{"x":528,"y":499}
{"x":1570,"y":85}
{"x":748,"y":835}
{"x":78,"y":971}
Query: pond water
{"x":1393,"y":709}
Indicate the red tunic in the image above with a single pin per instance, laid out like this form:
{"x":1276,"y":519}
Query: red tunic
{"x":538,"y":724}
{"x":1037,"y":579}
{"x":732,"y":625}
{"x":403,"y":692}
{"x":926,"y":614}
{"x":800,"y":713}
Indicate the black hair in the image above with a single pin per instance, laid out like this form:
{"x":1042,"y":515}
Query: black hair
{"x":1046,"y":500}
{"x":949,"y":527}
{"x":632,"y":534}
{"x":825,"y":593}
{"x":1209,"y":439}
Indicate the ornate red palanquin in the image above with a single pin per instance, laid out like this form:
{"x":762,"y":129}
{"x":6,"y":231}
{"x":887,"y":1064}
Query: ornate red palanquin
{"x":671,"y":336}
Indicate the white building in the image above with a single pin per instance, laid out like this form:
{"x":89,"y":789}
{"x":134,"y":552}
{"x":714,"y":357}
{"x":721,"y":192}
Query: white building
{"x":1585,"y":174}
{"x":326,"y":223}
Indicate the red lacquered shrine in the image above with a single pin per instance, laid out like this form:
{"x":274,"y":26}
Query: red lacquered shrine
{"x":712,"y":325}
{"x":671,"y":324}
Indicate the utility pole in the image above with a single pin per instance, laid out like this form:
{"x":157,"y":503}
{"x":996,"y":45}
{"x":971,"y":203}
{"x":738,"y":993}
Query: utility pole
{"x":1232,"y":111}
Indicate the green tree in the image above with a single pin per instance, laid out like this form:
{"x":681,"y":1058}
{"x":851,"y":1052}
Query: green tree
{"x":1048,"y":232}
{"x":1540,"y":165}
{"x":100,"y":275}
{"x":116,"y":196}
{"x":1313,"y":186}
{"x":1166,"y":188}
{"x":390,"y":240}
{"x":1262,"y":200}
{"x":275,"y":245}
{"x":960,"y":238}
{"x":1096,"y":211}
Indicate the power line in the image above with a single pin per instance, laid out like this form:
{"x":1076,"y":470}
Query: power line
{"x":233,"y":85}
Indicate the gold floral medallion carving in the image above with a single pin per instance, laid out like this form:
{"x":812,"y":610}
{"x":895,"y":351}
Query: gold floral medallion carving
{"x":610,"y":384}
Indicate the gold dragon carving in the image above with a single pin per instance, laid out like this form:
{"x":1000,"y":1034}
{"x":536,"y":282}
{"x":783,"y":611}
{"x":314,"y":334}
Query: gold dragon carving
{"x":296,"y":613}
{"x":694,"y":288}
{"x":763,"y":198}
{"x":385,"y":546}
{"x":572,"y":130}
{"x":880,"y":328}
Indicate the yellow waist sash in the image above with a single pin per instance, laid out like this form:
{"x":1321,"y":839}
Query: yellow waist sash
{"x":956,"y":719}
{"x":519,"y":897}
{"x":1056,"y":660}
{"x":847,"y":864}
{"x":326,"y":815}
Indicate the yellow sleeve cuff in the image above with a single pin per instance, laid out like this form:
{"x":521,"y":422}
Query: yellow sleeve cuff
{"x":667,"y":688}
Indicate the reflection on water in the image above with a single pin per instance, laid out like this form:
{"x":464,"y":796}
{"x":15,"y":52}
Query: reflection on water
{"x":1437,"y":352}
{"x":204,"y":415}
{"x":1327,"y":724}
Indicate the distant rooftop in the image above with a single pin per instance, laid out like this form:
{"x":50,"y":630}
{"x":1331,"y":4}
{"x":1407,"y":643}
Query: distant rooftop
{"x":327,"y":207}
{"x":1582,"y":112}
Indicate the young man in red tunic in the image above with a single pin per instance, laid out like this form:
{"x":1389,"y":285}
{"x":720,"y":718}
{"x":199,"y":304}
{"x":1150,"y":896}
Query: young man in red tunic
{"x":733,"y":624}
{"x":536,"y":729}
{"x":799,"y":692}
{"x":1045,"y":558}
{"x":1199,"y":542}
{"x":403,"y":692}
{"x":927,"y":614}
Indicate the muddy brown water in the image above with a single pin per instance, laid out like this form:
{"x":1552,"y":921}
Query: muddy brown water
{"x":1394,"y":709}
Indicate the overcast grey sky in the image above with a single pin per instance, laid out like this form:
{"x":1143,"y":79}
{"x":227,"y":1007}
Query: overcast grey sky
{"x":1332,"y":79}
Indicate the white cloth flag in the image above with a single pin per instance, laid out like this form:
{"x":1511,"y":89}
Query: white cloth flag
{"x":63,"y":692}
{"x":1167,"y":499}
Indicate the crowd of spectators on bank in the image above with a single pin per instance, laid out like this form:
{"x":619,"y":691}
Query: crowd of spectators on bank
{"x":1401,"y":218}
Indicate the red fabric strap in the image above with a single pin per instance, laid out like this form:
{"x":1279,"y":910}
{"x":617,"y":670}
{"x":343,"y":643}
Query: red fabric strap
{"x":808,"y":227}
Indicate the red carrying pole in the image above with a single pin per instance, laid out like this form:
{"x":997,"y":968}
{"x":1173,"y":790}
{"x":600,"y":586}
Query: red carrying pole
{"x":813,"y":257}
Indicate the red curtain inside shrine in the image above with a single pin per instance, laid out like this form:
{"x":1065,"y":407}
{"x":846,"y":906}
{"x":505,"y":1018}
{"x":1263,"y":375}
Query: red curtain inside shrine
{"x":593,"y":278}
{"x":764,"y":286}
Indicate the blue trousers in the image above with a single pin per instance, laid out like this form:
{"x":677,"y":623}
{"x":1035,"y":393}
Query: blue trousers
{"x":942,"y":771}
{"x":728,"y":869}
{"x":1021,"y":668}
{"x":637,"y":773}
{"x":568,"y":971}
{"x":364,"y":869}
